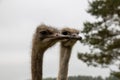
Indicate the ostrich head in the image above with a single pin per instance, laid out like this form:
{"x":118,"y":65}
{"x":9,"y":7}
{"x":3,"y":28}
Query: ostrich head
{"x":73,"y":33}
{"x":46,"y":36}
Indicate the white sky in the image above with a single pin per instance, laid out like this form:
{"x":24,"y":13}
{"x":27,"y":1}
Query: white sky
{"x":18,"y":20}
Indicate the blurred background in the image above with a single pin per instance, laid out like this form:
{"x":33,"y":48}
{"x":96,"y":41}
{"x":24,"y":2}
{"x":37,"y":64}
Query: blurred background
{"x":18,"y":21}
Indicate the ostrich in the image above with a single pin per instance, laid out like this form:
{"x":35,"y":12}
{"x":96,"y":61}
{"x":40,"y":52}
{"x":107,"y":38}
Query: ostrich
{"x":44,"y":37}
{"x":65,"y":52}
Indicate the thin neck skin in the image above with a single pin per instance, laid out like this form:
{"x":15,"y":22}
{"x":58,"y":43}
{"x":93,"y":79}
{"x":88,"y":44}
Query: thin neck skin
{"x":65,"y":53}
{"x":37,"y":63}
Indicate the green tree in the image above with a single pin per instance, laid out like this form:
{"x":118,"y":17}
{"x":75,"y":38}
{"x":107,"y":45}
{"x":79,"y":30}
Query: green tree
{"x":103,"y":35}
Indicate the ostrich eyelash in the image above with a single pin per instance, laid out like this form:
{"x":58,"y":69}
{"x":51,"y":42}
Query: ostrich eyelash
{"x":65,"y":33}
{"x":44,"y":32}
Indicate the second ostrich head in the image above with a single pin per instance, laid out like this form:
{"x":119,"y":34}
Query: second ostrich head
{"x":73,"y":33}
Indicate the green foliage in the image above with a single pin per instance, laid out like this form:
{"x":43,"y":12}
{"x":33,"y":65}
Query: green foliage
{"x":86,"y":78}
{"x":78,"y":78}
{"x":49,"y":79}
{"x":116,"y":74}
{"x":103,"y":8}
{"x":102,"y":35}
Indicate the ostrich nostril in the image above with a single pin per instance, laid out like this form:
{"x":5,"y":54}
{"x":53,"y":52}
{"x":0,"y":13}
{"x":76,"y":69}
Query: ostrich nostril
{"x":74,"y":35}
{"x":57,"y":34}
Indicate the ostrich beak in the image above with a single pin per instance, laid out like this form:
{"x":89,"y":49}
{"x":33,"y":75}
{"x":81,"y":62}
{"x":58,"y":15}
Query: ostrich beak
{"x":61,"y":37}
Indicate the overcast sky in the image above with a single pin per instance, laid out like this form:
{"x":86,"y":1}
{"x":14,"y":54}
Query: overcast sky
{"x":18,"y":20}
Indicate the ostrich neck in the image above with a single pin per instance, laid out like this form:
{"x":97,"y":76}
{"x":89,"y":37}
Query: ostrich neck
{"x":65,"y":53}
{"x":37,"y":63}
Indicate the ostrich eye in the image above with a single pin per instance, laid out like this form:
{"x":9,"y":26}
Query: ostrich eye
{"x":43,"y":32}
{"x":77,"y":32}
{"x":65,"y":33}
